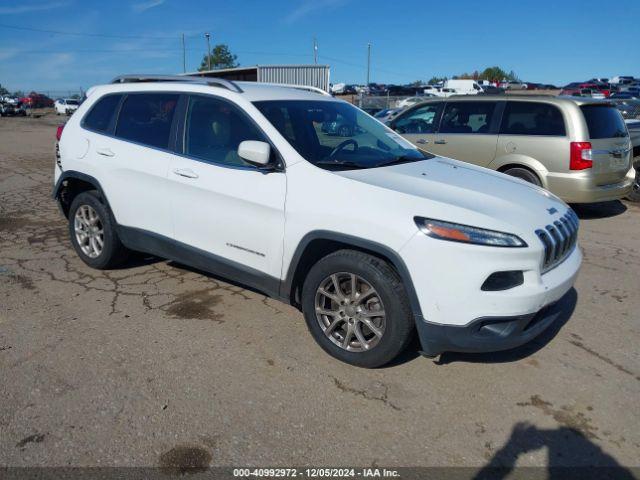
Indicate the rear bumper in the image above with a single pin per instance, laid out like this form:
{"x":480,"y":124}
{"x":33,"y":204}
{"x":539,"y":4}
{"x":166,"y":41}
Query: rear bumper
{"x":582,"y":189}
{"x":488,"y":334}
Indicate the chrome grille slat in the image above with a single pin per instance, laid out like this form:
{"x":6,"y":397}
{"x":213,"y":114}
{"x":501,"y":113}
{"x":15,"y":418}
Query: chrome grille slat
{"x":558,"y":239}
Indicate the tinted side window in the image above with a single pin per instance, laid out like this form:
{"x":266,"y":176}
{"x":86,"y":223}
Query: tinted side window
{"x":146,"y":118}
{"x":419,"y":120}
{"x":467,"y":117}
{"x":101,"y":114}
{"x":532,"y":118}
{"x":214,"y":129}
{"x":604,"y":121}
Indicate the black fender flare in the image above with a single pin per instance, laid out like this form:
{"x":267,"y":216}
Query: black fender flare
{"x":72,"y":174}
{"x":357,"y":242}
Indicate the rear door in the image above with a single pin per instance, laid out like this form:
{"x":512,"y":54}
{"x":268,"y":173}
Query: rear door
{"x":468,"y":132}
{"x":610,"y":145}
{"x":419,"y":124}
{"x":535,"y":130}
{"x":135,"y":158}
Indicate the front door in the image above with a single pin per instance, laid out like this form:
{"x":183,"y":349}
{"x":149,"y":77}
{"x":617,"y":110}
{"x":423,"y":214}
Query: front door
{"x":220,"y":204}
{"x":418,"y":125}
{"x":468,"y":132}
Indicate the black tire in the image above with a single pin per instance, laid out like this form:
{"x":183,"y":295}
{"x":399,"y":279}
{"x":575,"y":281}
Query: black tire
{"x":524,"y":174}
{"x":634,"y":196}
{"x":383,"y":278}
{"x":113,"y":252}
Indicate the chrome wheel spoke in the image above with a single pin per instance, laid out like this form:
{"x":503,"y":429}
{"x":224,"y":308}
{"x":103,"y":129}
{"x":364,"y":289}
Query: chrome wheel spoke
{"x":89,"y":231}
{"x":360,"y":336}
{"x":376,"y":331}
{"x":336,"y":286}
{"x":347,"y":337}
{"x":333,"y":297}
{"x":350,"y":312}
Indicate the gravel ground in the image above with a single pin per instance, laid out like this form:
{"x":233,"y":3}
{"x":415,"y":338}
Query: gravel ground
{"x":158,"y":364}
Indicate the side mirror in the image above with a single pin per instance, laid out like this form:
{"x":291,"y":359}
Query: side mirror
{"x":257,"y":153}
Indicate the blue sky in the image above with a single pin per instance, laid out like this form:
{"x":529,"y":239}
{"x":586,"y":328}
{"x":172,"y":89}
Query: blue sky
{"x":555,"y":43}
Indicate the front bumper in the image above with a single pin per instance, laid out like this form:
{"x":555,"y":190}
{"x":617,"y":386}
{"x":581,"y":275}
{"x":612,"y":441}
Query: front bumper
{"x":489,"y":334}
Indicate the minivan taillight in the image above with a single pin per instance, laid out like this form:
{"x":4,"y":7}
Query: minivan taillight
{"x":59,"y":132}
{"x":580,"y":158}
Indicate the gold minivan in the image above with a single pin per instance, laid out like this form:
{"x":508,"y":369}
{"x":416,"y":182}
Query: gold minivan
{"x":577,"y":148}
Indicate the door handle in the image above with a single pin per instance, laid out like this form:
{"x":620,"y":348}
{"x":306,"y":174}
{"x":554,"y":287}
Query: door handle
{"x":105,"y":152}
{"x":422,"y":141}
{"x":440,"y":142}
{"x":185,"y":172}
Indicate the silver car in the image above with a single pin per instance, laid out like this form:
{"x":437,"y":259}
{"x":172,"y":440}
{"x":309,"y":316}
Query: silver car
{"x":577,"y":148}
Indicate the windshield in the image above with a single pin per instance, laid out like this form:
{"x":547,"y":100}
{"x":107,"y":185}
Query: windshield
{"x":336,"y":135}
{"x":72,"y":102}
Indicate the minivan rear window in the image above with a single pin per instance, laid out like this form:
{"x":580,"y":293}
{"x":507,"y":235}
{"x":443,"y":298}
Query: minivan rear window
{"x":604,"y":121}
{"x":532,"y":118}
{"x":146,"y":118}
{"x":99,"y":117}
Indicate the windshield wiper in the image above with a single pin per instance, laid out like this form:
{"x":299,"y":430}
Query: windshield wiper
{"x":401,"y":159}
{"x":341,"y":163}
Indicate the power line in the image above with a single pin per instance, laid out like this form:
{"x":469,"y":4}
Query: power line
{"x":80,"y":34}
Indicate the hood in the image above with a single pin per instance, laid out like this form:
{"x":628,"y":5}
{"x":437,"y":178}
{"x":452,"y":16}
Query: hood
{"x":459,"y":191}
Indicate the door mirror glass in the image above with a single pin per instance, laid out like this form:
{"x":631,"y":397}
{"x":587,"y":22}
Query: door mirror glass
{"x":255,"y":152}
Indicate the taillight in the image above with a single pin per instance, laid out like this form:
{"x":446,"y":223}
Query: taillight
{"x":581,"y":156}
{"x":59,"y":132}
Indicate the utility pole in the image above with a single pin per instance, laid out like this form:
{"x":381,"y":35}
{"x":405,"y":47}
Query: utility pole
{"x":315,"y":51}
{"x":368,"y":61}
{"x":208,"y":36}
{"x":184,"y":57}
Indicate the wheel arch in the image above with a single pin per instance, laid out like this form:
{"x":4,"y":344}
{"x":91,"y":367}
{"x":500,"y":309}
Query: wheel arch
{"x":70,"y":184}
{"x":320,"y":243}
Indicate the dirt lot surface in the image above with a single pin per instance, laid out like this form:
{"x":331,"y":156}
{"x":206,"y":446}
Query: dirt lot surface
{"x":156,"y":362}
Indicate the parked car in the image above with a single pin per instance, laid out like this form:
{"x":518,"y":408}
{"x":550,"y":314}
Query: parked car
{"x":629,"y":108}
{"x":66,"y":106}
{"x":625,"y":96}
{"x":513,"y":85}
{"x":634,"y":133}
{"x":577,"y":148}
{"x":36,"y":100}
{"x":407,"y":102}
{"x":370,"y":237}
{"x":489,"y":90}
{"x":9,"y":108}
{"x":387,"y":114}
{"x":340,"y":126}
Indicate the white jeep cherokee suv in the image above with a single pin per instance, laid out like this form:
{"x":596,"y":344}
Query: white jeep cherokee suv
{"x":371,"y":238}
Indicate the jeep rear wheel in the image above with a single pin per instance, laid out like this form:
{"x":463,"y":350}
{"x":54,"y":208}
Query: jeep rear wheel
{"x":356,"y":308}
{"x":93,"y":234}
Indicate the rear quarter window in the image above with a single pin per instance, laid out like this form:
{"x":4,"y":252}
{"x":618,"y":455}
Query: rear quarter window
{"x":99,"y":117}
{"x":532,"y":118}
{"x":604,"y":121}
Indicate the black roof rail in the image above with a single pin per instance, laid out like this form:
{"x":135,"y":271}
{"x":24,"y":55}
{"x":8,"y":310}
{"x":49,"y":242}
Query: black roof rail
{"x":212,"y":81}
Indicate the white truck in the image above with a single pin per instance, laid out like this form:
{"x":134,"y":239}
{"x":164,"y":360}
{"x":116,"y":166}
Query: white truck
{"x":464,"y":87}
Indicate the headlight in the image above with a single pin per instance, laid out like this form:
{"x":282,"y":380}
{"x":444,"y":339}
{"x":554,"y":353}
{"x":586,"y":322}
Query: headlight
{"x":455,"y":232}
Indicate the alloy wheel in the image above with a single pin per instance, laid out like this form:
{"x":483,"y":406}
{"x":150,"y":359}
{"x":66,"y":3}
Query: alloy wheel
{"x":350,"y":312}
{"x":89,"y":231}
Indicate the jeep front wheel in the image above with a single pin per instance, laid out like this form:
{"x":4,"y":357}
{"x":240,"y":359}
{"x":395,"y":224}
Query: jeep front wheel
{"x":357,"y":309}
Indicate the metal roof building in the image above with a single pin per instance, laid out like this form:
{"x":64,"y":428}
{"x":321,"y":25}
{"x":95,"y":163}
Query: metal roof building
{"x":309,"y":75}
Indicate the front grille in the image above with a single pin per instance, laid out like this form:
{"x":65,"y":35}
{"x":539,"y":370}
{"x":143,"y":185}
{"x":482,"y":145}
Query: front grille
{"x":559,"y":239}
